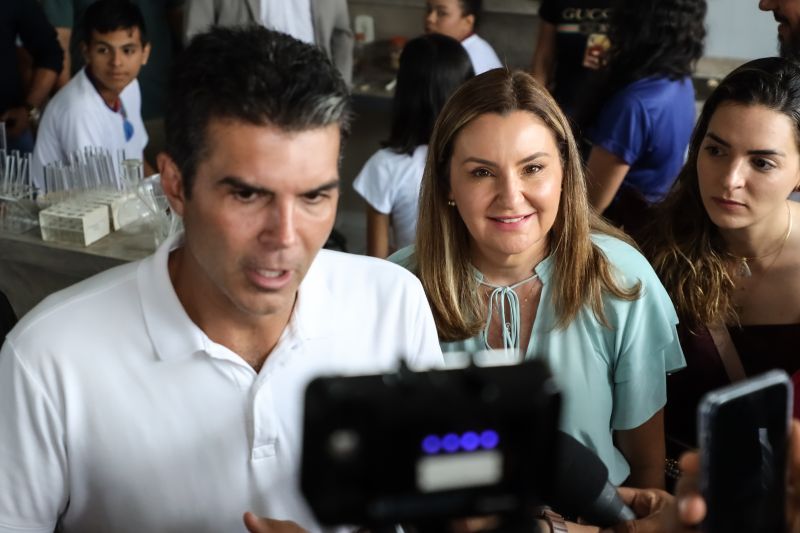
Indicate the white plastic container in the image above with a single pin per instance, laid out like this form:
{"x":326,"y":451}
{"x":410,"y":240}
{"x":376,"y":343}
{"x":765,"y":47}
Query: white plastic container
{"x":75,"y":222}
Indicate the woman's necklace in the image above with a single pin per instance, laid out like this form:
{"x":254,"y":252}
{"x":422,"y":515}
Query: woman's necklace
{"x":743,"y":268}
{"x":500,"y":296}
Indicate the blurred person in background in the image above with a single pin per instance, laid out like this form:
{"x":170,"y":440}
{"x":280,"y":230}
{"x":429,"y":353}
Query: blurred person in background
{"x":640,"y":133}
{"x":787,"y":15}
{"x":101,"y":105}
{"x":163,"y":20}
{"x":459,"y":19}
{"x":431,"y":68}
{"x":21,"y":100}
{"x":571,"y":50}
{"x":325,"y":23}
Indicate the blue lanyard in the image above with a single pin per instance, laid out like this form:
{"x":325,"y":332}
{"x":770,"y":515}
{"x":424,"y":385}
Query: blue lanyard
{"x":127,"y":126}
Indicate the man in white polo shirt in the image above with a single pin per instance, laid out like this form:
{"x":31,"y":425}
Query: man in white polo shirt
{"x":166,"y":395}
{"x":101,"y":104}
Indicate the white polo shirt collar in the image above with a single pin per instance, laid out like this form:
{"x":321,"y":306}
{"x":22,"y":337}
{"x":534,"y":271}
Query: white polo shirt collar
{"x":175,"y":336}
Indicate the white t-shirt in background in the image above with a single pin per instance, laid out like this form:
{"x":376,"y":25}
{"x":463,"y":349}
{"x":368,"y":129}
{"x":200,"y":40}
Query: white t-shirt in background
{"x":292,"y":17}
{"x":481,"y":54}
{"x":78,"y":117}
{"x":390,"y":182}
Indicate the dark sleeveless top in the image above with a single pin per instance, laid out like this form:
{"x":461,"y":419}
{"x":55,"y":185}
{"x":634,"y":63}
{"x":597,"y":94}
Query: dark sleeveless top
{"x":761,"y":348}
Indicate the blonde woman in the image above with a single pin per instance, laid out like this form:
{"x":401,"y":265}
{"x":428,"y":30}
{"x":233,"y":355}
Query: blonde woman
{"x":511,"y":257}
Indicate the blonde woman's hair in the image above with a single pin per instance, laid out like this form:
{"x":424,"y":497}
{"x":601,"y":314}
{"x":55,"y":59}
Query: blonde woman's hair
{"x":443,"y":261}
{"x":682,"y":243}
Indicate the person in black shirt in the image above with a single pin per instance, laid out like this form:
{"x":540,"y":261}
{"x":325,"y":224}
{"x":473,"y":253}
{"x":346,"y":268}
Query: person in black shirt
{"x":570,"y":53}
{"x":20,"y":105}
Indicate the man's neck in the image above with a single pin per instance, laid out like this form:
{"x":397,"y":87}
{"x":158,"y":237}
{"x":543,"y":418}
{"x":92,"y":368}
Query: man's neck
{"x":250,"y":341}
{"x":111,"y":98}
{"x":251,"y":337}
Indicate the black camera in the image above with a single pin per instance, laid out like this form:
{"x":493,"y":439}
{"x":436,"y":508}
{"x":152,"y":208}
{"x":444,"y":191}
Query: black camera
{"x":415,"y":447}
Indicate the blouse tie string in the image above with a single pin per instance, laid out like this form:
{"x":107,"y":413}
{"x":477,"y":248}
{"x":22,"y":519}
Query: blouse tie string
{"x":500,"y":296}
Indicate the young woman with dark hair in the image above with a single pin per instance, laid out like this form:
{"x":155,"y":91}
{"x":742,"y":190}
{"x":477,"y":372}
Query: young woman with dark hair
{"x":431,"y":68}
{"x":640,"y":134}
{"x":723,"y":242}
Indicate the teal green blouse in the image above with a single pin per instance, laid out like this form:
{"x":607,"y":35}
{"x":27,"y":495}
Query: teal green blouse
{"x":611,"y":379}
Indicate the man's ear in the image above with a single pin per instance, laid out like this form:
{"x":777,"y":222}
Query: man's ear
{"x":85,"y":51}
{"x":172,"y":183}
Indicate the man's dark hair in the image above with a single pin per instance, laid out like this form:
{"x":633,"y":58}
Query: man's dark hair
{"x":432,"y":67}
{"x":252,"y":75}
{"x":105,"y":16}
{"x":472,"y":7}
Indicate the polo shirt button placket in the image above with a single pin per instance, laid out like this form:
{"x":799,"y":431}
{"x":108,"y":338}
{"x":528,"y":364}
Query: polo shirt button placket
{"x":264,"y":436}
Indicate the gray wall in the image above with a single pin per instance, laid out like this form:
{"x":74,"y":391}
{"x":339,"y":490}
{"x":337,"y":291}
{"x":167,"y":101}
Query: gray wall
{"x":509,"y":25}
{"x":736,"y":28}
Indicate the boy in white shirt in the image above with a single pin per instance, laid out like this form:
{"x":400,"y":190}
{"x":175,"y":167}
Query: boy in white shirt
{"x":101,"y":104}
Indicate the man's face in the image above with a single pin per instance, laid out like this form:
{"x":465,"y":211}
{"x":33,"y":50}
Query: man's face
{"x":262,"y":204}
{"x":787,"y":13}
{"x":115,"y":58}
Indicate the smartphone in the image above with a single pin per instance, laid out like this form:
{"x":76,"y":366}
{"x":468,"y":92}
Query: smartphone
{"x":743,"y":431}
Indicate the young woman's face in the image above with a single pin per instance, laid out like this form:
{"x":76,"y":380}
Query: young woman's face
{"x":447,"y":17}
{"x":747,"y":166}
{"x":505,"y":179}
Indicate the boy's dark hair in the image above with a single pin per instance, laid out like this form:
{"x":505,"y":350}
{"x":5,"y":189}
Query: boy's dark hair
{"x":105,"y":16}
{"x":432,"y":67}
{"x":252,"y":75}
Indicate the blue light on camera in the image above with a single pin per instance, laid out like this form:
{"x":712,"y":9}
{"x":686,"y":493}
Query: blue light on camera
{"x":469,"y":441}
{"x":431,"y":444}
{"x":451,"y":443}
{"x":489,"y":439}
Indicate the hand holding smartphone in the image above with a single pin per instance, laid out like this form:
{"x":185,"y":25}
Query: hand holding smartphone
{"x":743,"y":430}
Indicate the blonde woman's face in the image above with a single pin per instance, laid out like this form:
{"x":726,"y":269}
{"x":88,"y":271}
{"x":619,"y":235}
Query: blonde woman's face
{"x":747,"y":166}
{"x":505,"y":179}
